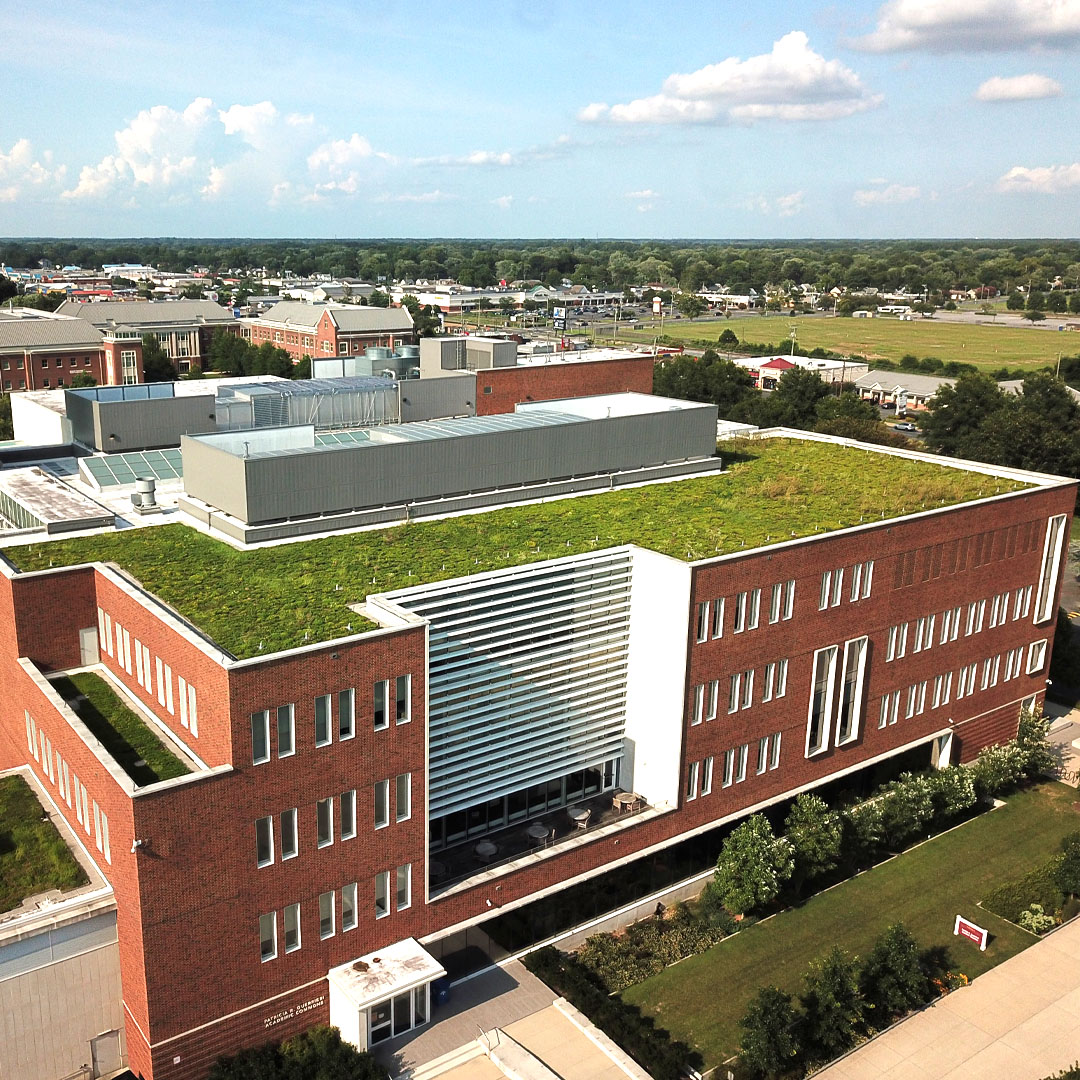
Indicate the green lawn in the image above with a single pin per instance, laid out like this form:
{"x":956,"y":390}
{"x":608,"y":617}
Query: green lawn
{"x":123,"y":733}
{"x":272,"y":598}
{"x":888,"y":339}
{"x":702,"y":999}
{"x":33,"y":855}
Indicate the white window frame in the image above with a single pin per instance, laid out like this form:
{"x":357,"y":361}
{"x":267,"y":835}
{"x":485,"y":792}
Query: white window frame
{"x":265,"y":715}
{"x":830,"y":653}
{"x":734,"y":692}
{"x":327,"y":737}
{"x":789,"y":598}
{"x":774,"y":751}
{"x":286,"y":851}
{"x":384,"y":684}
{"x":1051,"y":567}
{"x":763,"y":754}
{"x":697,"y":712}
{"x":718,"y":618}
{"x":729,"y":768}
{"x":862,"y":644}
{"x":754,"y":616}
{"x":349,"y":915}
{"x":382,"y":786}
{"x":294,"y":909}
{"x":742,"y":756}
{"x":347,"y":814}
{"x":1036,"y":657}
{"x":346,"y":725}
{"x":266,"y":823}
{"x":324,"y":934}
{"x":404,"y":873}
{"x":748,"y":688}
{"x":402,"y":813}
{"x":702,"y":621}
{"x":740,"y":613}
{"x":327,"y":839}
{"x":712,"y":699}
{"x":407,"y":717}
{"x":382,"y":887}
{"x":263,"y":953}
{"x":707,"y":775}
{"x":692,"y":781}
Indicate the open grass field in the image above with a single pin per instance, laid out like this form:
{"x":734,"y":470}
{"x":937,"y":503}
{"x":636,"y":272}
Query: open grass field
{"x":260,"y":601}
{"x":137,"y":750}
{"x":702,"y":999}
{"x":887,"y":339}
{"x":33,"y":855}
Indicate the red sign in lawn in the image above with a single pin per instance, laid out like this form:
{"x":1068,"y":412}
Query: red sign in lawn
{"x":963,"y":928}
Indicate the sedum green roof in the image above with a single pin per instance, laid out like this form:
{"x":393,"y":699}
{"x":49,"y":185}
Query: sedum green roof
{"x":267,"y":599}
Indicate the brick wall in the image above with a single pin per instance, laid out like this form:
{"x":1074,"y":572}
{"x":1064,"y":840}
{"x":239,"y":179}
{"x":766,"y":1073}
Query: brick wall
{"x":550,"y":382}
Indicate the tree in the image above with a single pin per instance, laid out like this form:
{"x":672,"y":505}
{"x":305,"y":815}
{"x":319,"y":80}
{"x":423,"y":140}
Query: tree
{"x":892,"y":979}
{"x":953,"y":418}
{"x":1057,"y":302}
{"x":318,"y":1054}
{"x":302,"y":368}
{"x":268,"y":359}
{"x":833,"y":1005}
{"x":769,"y":1047}
{"x":1031,"y":738}
{"x":793,"y":403}
{"x":846,"y":406}
{"x":425,"y":317}
{"x":690,"y":304}
{"x":8,"y":288}
{"x":1015,"y":301}
{"x":815,"y":835}
{"x":1033,"y":315}
{"x":712,"y":378}
{"x":378,"y":299}
{"x":157,"y":367}
{"x":82,"y":379}
{"x":753,"y":864}
{"x":230,"y":353}
{"x":906,"y":809}
{"x":728,"y":339}
{"x":1066,"y":873}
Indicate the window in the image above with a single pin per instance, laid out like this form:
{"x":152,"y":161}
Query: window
{"x":382,"y":803}
{"x":754,"y":613}
{"x":821,"y":700}
{"x":260,"y":737}
{"x":776,"y":602}
{"x":768,"y":682}
{"x":382,"y":894}
{"x":862,"y":577}
{"x":706,"y":776}
{"x":292,"y":927}
{"x":264,"y":841}
{"x":740,"y":766}
{"x":268,"y":936}
{"x":733,"y":692}
{"x":832,"y":588}
{"x":348,"y":907}
{"x":288,"y":834}
{"x":781,"y":678}
{"x":729,"y":768}
{"x":747,"y":610}
{"x":1051,"y":563}
{"x":382,"y":719}
{"x":748,"y":688}
{"x":1036,"y":656}
{"x":924,"y":633}
{"x":950,"y":625}
{"x":712,"y":699}
{"x":286,"y":731}
{"x":896,"y":645}
{"x":348,"y":814}
{"x":718,"y":617}
{"x":326,"y":915}
{"x":346,"y":714}
{"x":698,"y":713}
{"x":692,"y":781}
{"x":762,"y":754}
{"x":789,"y":598}
{"x":1013,"y":660}
{"x":942,"y":690}
{"x":404,"y":886}
{"x":851,"y":691}
{"x":965,"y":681}
{"x":325,"y":815}
{"x":995,"y":610}
{"x":774,"y":756}
{"x":322,"y":720}
{"x":1022,"y":603}
{"x":703,"y":621}
{"x":890,"y":708}
{"x":403,"y":707}
{"x":740,"y":613}
{"x":403,"y":797}
{"x":826,"y":590}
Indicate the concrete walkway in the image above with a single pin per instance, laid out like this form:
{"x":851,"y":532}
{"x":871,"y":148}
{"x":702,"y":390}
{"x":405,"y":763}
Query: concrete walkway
{"x":1019,"y":1021}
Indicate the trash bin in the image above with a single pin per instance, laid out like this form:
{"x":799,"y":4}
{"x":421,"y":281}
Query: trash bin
{"x":440,"y":992}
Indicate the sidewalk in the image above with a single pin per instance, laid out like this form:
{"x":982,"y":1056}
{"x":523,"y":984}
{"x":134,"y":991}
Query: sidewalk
{"x":1019,"y":1021}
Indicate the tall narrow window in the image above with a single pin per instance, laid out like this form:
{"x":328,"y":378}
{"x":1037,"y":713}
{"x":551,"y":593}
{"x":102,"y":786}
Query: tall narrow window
{"x":712,"y":699}
{"x":289,"y":845}
{"x":706,"y":776}
{"x":382,"y":803}
{"x":781,"y":678}
{"x":851,"y":691}
{"x":740,"y":613}
{"x":264,"y":841}
{"x":703,"y":621}
{"x":789,"y":598}
{"x":382,"y":715}
{"x":776,"y":600}
{"x":762,"y":754}
{"x":1051,"y":563}
{"x":1036,"y":657}
{"x":322,"y":720}
{"x":733,"y":692}
{"x":348,"y":907}
{"x":404,"y":886}
{"x":740,"y":764}
{"x":692,"y":781}
{"x":403,"y":797}
{"x":826,"y":590}
{"x":403,"y":709}
{"x":348,"y":814}
{"x":325,"y":816}
{"x":326,"y":914}
{"x":268,"y":936}
{"x":821,"y":700}
{"x":292,"y":927}
{"x":729,"y":768}
{"x":748,"y":688}
{"x":260,"y":737}
{"x":698,"y":712}
{"x":774,"y":751}
{"x":286,"y":731}
{"x":767,"y":682}
{"x":346,"y":714}
{"x":718,"y":617}
{"x":754,"y":614}
{"x":382,"y":894}
{"x":856,"y":582}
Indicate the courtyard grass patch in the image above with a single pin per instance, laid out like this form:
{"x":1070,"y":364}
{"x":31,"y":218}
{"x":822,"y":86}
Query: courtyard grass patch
{"x":33,"y":855}
{"x":260,"y":601}
{"x":987,"y":346}
{"x":135,"y":748}
{"x":701,"y":1000}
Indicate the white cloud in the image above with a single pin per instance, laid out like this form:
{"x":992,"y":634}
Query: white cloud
{"x":1018,"y":88}
{"x":21,"y":170}
{"x":503,"y":202}
{"x":1046,"y":180}
{"x":964,"y":25}
{"x":792,"y":82}
{"x":502,"y":158}
{"x":255,"y":124}
{"x":879,"y":196}
{"x":435,"y":196}
{"x":646,"y":193}
{"x":790,"y":205}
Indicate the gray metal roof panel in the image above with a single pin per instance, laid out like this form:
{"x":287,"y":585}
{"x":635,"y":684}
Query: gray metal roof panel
{"x":42,"y":333}
{"x":143,"y":313}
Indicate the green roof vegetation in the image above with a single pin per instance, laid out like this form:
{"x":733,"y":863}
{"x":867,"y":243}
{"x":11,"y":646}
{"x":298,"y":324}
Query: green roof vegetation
{"x":264,"y":600}
{"x":135,"y":748}
{"x":33,"y":855}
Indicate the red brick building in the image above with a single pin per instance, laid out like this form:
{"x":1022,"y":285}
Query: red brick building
{"x":318,"y":330}
{"x":330,"y":791}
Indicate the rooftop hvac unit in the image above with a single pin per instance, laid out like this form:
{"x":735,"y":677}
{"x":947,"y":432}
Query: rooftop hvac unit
{"x":143,"y":498}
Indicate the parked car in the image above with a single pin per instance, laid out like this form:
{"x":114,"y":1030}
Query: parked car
{"x":907,"y":427}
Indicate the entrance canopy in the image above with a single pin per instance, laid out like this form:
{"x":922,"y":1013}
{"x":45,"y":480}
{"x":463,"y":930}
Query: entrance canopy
{"x":385,"y":973}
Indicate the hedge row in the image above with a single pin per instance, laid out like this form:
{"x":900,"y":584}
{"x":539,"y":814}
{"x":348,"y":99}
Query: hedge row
{"x":1037,"y":887}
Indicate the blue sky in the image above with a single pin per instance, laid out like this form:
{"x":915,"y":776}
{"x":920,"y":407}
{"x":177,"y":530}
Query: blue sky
{"x":519,"y":119}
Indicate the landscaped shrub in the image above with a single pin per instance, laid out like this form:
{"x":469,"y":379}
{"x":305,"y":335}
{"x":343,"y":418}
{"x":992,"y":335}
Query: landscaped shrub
{"x":907,"y":807}
{"x":753,"y":864}
{"x":815,"y":833}
{"x":997,"y":768}
{"x":893,"y":980}
{"x":318,"y":1054}
{"x":1038,"y":887}
{"x":833,"y":1006}
{"x":1067,"y":871}
{"x":770,"y":1046}
{"x":1036,"y":920}
{"x":863,"y":834}
{"x":1031,"y":740}
{"x":952,"y":791}
{"x":651,"y":1047}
